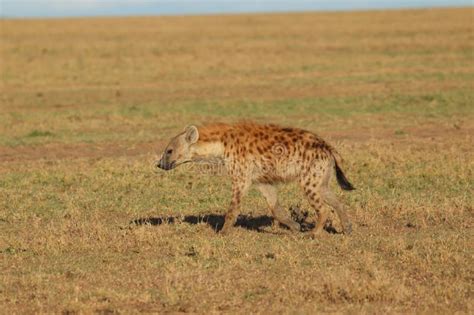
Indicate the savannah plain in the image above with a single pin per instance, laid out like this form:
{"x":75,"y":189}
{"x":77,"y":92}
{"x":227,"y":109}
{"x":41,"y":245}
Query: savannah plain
{"x":88,"y":225}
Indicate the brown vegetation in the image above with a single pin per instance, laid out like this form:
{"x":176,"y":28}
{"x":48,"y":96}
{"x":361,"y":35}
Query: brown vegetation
{"x":86,"y":224}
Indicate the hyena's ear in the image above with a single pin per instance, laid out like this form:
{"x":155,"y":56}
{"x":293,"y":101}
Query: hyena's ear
{"x":192,"y":134}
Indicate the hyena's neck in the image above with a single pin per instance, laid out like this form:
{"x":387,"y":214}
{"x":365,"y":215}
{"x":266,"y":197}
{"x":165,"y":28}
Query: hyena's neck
{"x":210,"y":145}
{"x":208,"y":151}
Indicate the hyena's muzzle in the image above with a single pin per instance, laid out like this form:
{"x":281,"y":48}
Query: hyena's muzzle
{"x":165,"y":164}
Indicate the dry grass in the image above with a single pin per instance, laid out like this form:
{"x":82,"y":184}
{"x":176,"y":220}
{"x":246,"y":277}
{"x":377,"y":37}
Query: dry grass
{"x":87,"y":226}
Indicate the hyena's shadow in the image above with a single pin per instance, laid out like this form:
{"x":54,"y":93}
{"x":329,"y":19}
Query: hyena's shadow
{"x":215,"y":221}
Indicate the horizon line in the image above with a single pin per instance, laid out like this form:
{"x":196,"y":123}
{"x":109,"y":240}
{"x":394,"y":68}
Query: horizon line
{"x":234,"y":13}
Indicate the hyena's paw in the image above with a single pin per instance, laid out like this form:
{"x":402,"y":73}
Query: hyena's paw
{"x":317,"y":234}
{"x":347,"y":228}
{"x":293,"y":226}
{"x":226,"y":230}
{"x":311,"y":236}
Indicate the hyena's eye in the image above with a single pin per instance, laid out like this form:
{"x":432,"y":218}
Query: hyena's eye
{"x":169,"y":151}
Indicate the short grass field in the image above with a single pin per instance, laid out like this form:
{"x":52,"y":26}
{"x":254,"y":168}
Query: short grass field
{"x":87,"y":225}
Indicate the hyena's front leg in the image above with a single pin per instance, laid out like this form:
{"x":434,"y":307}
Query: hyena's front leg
{"x":240,"y":187}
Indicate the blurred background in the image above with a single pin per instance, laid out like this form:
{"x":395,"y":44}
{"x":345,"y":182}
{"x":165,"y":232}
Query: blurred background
{"x":69,"y":8}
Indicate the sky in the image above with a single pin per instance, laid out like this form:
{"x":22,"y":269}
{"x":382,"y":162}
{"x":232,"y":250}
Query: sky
{"x":78,"y":8}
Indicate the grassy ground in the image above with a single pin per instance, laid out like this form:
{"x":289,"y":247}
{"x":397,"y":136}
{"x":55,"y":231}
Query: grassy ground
{"x":86,"y":225}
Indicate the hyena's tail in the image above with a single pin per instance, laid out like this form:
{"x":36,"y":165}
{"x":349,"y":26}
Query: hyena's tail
{"x":341,"y":178}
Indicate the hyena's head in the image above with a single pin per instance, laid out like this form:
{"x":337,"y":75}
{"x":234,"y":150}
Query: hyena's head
{"x":179,"y":150}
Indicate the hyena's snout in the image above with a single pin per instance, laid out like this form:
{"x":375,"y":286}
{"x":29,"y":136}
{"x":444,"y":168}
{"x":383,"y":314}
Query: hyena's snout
{"x":165,"y":164}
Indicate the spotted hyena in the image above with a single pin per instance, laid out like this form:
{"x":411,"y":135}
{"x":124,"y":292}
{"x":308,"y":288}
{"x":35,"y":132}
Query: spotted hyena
{"x":265,"y":155}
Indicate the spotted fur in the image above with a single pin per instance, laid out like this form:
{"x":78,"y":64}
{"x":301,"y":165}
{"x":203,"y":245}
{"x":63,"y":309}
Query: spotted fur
{"x":265,"y":155}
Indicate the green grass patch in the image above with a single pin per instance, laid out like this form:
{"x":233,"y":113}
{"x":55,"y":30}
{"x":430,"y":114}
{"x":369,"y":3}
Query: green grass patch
{"x":39,"y":133}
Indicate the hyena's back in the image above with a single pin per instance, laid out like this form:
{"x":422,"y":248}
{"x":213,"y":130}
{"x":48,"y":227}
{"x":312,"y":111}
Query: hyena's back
{"x":271,"y":153}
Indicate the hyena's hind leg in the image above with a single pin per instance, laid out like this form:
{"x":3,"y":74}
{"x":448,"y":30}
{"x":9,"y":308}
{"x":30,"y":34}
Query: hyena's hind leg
{"x":280,"y":215}
{"x":341,"y":209}
{"x":315,"y":184}
{"x":311,"y":184}
{"x":332,"y":201}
